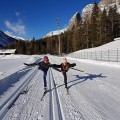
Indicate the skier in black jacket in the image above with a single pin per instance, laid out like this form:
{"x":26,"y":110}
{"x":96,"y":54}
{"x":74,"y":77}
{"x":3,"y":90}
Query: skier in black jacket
{"x":44,"y":66}
{"x":64,"y":68}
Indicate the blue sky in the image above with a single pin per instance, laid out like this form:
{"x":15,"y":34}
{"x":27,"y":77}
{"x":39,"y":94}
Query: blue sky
{"x":36,"y":18}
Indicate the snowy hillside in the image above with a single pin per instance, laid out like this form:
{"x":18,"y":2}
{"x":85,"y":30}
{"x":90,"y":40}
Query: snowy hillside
{"x":87,"y":11}
{"x":5,"y":39}
{"x":109,"y":46}
{"x":106,"y":52}
{"x":16,"y":37}
{"x":57,"y":32}
{"x":73,"y":20}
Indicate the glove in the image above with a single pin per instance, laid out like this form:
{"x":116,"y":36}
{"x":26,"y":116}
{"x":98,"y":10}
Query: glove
{"x":54,"y":65}
{"x":74,"y":64}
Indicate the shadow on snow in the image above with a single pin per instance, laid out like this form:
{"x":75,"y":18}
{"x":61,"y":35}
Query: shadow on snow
{"x":81,"y":79}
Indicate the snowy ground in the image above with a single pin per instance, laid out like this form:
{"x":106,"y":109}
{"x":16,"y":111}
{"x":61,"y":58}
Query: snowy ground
{"x":93,"y":94}
{"x":106,"y":52}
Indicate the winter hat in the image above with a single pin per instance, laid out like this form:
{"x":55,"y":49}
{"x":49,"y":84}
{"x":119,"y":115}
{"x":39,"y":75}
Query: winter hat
{"x":64,"y":60}
{"x":46,"y":59}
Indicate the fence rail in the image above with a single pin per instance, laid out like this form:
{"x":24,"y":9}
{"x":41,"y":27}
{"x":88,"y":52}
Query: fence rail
{"x":108,"y":55}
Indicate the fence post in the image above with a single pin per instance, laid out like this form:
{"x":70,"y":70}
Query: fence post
{"x":108,"y":55}
{"x":117,"y":54}
{"x":87,"y":54}
{"x":95,"y":56}
{"x":91,"y":54}
{"x":101,"y":55}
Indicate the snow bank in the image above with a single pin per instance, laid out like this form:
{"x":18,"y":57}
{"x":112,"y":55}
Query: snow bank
{"x":12,"y":56}
{"x":110,"y":64}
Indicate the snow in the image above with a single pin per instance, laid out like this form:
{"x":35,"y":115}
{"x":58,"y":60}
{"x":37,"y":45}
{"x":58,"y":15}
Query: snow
{"x":57,"y":32}
{"x":16,"y":37}
{"x":93,"y":94}
{"x":102,"y":5}
{"x":5,"y":39}
{"x":87,"y":10}
{"x":109,"y":46}
{"x":9,"y":64}
{"x":72,"y":21}
{"x":99,"y":63}
{"x":107,"y":52}
{"x":3,"y":51}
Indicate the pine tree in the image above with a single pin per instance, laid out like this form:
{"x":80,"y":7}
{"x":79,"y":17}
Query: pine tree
{"x":76,"y":33}
{"x":94,"y":29}
{"x":104,"y":28}
{"x":114,"y":22}
{"x":69,"y":41}
{"x":85,"y":27}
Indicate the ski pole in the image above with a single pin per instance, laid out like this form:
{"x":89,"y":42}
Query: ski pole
{"x":80,"y":70}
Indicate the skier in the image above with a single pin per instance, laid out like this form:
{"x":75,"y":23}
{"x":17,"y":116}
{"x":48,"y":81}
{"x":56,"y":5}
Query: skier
{"x":64,"y":68}
{"x":44,"y":66}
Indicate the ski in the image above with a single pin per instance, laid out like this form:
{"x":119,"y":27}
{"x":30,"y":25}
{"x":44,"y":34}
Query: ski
{"x":24,"y":92}
{"x":80,"y":71}
{"x":43,"y":95}
{"x":67,"y":91}
{"x":26,"y":64}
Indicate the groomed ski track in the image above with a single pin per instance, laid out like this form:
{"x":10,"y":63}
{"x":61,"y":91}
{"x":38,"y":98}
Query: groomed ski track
{"x":32,"y":108}
{"x":89,"y":97}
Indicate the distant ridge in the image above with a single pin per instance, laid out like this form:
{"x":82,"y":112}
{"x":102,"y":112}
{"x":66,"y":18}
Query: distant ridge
{"x":6,"y":40}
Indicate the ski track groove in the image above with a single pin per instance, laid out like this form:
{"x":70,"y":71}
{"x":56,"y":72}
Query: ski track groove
{"x":51,"y":108}
{"x":8,"y":103}
{"x":57,"y":111}
{"x":20,"y":107}
{"x":30,"y":107}
{"x":27,"y":101}
{"x":23,"y":108}
{"x":57,"y":99}
{"x":34,"y":99}
{"x":66,"y":101}
{"x":68,"y":106}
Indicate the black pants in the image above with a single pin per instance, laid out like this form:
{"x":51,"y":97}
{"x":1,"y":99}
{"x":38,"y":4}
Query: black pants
{"x":65,"y":78}
{"x":44,"y":78}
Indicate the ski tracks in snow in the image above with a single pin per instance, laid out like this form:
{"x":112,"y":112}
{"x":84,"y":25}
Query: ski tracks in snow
{"x":89,"y":98}
{"x":29,"y":105}
{"x":56,"y":104}
{"x":69,"y":108}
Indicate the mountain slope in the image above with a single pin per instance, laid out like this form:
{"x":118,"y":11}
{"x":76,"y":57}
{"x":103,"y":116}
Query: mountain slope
{"x":114,"y":45}
{"x":75,"y":18}
{"x":6,"y":40}
{"x":103,"y":4}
